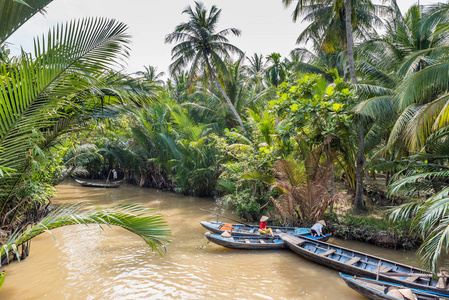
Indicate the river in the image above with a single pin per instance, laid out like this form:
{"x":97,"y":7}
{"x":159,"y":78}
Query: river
{"x":90,"y":263}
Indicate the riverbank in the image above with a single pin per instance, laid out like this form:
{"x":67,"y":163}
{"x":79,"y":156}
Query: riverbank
{"x":373,"y":227}
{"x":374,"y":231}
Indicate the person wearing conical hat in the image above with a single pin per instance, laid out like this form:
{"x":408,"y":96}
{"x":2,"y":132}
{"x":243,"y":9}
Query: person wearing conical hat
{"x":317,"y":228}
{"x":263,"y":226}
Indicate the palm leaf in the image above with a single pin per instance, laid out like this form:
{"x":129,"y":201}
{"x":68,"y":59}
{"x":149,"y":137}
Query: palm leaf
{"x":65,"y":64}
{"x":141,"y":221}
{"x":14,"y":13}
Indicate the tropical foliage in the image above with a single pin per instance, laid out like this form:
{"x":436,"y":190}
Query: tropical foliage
{"x":263,"y":133}
{"x":44,"y":97}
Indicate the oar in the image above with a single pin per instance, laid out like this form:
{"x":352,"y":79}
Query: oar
{"x":227,"y":218}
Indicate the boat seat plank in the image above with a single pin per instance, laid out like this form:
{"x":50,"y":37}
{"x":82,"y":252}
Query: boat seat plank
{"x":383,"y":269}
{"x":353,"y":260}
{"x":411,"y":279}
{"x":247,"y":241}
{"x":262,"y":241}
{"x":328,"y":252}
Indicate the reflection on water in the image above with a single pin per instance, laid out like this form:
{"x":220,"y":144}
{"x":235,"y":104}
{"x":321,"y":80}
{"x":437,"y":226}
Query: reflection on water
{"x":90,"y":263}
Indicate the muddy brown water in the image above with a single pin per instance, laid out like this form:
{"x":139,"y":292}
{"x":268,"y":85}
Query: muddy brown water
{"x":89,"y":263}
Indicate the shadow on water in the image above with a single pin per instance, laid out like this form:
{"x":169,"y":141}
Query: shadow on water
{"x":89,"y":263}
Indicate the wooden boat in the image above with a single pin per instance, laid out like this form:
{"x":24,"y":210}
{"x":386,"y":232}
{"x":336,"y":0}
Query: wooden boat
{"x":254,"y":242}
{"x":361,"y":264}
{"x":241,"y":229}
{"x":377,"y":290}
{"x":100,"y":185}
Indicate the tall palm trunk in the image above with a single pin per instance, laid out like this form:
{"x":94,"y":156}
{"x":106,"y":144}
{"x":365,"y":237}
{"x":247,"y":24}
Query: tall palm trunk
{"x":228,"y":101}
{"x":358,"y":202}
{"x":349,"y":41}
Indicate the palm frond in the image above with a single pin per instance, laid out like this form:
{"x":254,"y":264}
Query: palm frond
{"x":14,"y":13}
{"x":141,"y":221}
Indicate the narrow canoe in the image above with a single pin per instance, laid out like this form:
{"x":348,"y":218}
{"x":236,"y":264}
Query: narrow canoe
{"x":94,"y":184}
{"x":254,"y":242}
{"x":361,"y":264}
{"x":377,"y":290}
{"x":241,"y":229}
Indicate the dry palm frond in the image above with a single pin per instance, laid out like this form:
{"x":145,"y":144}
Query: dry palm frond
{"x":305,"y":186}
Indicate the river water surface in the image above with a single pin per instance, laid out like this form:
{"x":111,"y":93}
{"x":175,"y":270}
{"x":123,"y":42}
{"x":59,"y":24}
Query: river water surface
{"x":89,"y":263}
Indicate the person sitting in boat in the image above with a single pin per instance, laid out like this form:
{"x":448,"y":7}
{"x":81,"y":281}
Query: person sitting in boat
{"x":263,"y":226}
{"x":317,"y":228}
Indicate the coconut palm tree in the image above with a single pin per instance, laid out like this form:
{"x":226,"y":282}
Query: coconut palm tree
{"x":426,"y":173}
{"x":201,"y":46}
{"x":330,"y":18}
{"x":276,"y":73}
{"x":255,"y":71}
{"x":151,"y":74}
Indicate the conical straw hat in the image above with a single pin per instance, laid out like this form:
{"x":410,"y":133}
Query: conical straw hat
{"x":226,"y":234}
{"x":322,"y":222}
{"x":395,"y":293}
{"x":407,"y":293}
{"x":264,"y":219}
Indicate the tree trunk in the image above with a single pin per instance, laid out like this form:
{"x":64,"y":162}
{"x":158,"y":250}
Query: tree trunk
{"x":358,"y":202}
{"x":332,"y":190}
{"x":142,"y":178}
{"x":67,"y":175}
{"x":228,"y":101}
{"x":349,"y":41}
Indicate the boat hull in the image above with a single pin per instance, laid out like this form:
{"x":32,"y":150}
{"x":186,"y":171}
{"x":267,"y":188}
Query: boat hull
{"x":100,"y":185}
{"x":246,"y":242}
{"x":241,"y":229}
{"x":376,"y":290}
{"x":253,"y":242}
{"x":361,"y":264}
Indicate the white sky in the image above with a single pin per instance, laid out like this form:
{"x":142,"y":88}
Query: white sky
{"x":266,"y":26}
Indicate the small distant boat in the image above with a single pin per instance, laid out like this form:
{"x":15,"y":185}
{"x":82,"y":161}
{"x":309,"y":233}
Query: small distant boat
{"x":241,"y":229}
{"x":381,"y":290}
{"x":100,"y":185}
{"x":254,"y":242}
{"x":364,"y":265}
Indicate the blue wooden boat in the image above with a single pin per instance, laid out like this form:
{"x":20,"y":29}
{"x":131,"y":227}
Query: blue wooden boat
{"x":364,"y":265}
{"x":241,"y":229}
{"x":254,"y":242}
{"x":382,"y":290}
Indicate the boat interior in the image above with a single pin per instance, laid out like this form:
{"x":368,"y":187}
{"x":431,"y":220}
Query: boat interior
{"x":366,"y":262}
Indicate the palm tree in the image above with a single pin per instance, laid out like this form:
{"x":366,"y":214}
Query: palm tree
{"x":409,"y":59}
{"x":255,"y":71}
{"x":39,"y":103}
{"x":414,"y":53}
{"x":332,"y":19}
{"x":151,"y":74}
{"x":203,"y":47}
{"x":276,"y":73}
{"x":426,"y":174}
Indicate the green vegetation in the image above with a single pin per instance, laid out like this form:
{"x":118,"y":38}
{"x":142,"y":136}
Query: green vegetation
{"x":294,"y":138}
{"x":44,"y":98}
